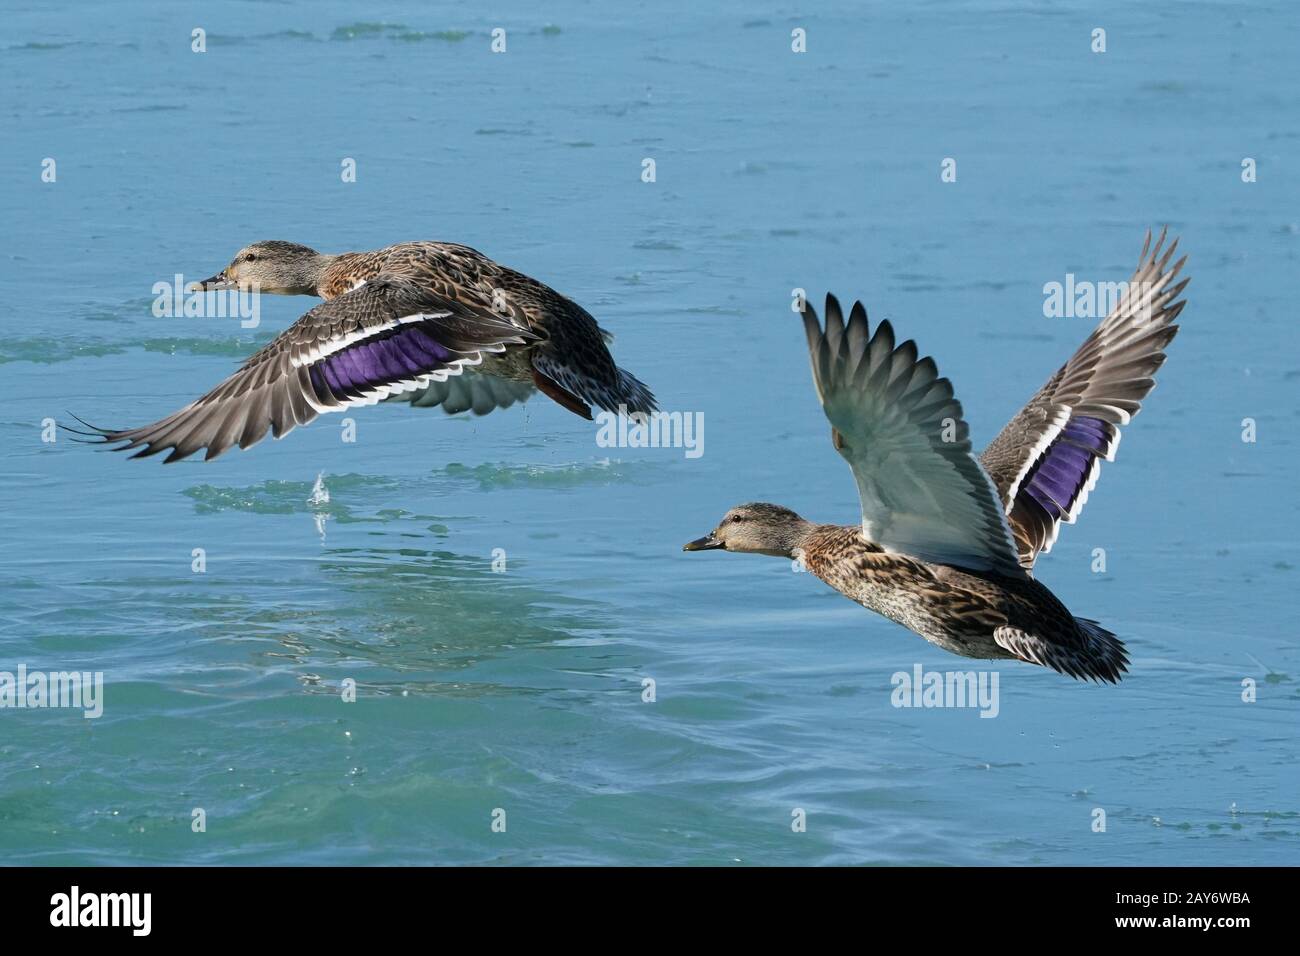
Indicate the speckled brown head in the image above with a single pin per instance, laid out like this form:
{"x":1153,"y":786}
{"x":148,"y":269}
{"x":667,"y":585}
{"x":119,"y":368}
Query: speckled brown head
{"x":274,"y":266}
{"x":755,"y":528}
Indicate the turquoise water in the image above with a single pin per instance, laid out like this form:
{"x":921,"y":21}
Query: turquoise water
{"x":523,"y":691}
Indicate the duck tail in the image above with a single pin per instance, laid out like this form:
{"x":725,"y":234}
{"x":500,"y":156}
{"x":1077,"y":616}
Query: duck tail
{"x":632,"y":394}
{"x":602,"y":384}
{"x":1103,"y":656}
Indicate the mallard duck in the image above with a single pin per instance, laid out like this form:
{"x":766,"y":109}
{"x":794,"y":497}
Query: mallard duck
{"x":432,"y":323}
{"x":948,"y":541}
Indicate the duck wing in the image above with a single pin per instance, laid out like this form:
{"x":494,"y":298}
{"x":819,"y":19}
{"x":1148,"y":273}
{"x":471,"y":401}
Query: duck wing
{"x":385,"y":336}
{"x":897,"y":424}
{"x":1047,"y":459}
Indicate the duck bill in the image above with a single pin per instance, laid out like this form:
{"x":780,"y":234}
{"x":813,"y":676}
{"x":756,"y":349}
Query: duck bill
{"x":707,"y":543}
{"x":218,"y":281}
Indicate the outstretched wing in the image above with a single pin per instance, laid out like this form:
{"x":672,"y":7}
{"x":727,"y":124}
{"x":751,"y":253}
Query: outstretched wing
{"x":388,"y":335}
{"x":901,"y":430}
{"x":1047,"y":459}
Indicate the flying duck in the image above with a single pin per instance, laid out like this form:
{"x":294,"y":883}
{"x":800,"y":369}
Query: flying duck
{"x":432,"y":323}
{"x":948,"y":541}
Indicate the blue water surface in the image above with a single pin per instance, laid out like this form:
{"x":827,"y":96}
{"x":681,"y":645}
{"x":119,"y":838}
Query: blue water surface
{"x":523,"y":691}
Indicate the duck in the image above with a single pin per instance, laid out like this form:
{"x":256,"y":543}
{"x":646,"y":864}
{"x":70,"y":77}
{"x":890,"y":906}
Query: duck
{"x":948,"y":541}
{"x":429,"y":323}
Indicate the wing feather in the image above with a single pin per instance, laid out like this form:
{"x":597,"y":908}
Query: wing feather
{"x":478,"y":392}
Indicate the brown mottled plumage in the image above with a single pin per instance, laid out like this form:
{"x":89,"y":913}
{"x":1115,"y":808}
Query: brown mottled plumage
{"x":971,"y":613}
{"x":569,"y":360}
{"x":407,"y":322}
{"x":947,"y":541}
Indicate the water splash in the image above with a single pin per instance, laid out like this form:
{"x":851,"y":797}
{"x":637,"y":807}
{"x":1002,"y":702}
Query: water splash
{"x":320,"y":495}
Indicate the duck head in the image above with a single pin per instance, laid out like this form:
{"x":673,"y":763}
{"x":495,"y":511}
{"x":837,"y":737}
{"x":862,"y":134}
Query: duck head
{"x":281,"y":268}
{"x":755,"y":528}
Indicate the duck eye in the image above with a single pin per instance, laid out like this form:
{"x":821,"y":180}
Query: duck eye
{"x":249,"y":256}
